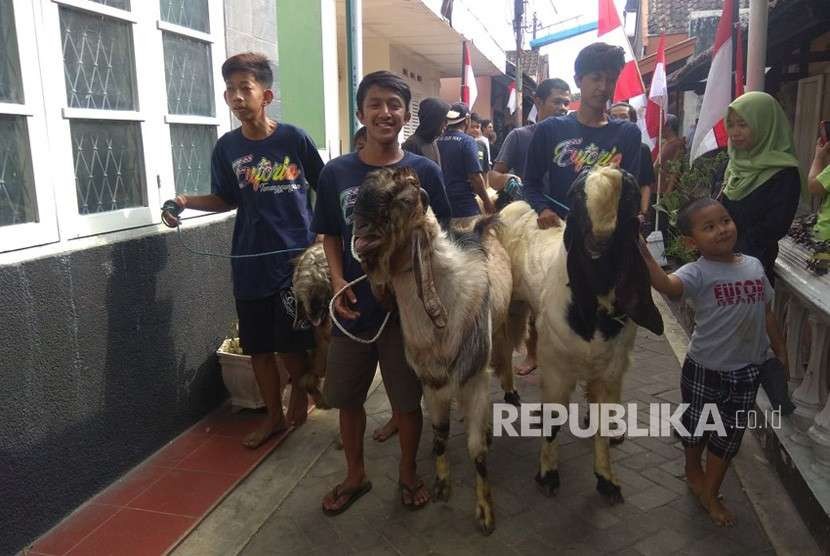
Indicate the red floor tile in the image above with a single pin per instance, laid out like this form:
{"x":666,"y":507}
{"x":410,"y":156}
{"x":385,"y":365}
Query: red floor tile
{"x":130,"y":486}
{"x":225,"y":454}
{"x":135,"y":532}
{"x":73,"y":529}
{"x":190,"y":493}
{"x":225,"y":423}
{"x":177,"y":449}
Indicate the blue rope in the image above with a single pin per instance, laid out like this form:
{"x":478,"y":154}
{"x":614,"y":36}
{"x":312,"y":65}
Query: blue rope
{"x":223,"y":256}
{"x":557,"y":203}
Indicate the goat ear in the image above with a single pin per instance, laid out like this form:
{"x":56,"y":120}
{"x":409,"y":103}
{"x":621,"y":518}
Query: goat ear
{"x":633,"y":288}
{"x":584,"y":303}
{"x":422,"y":268}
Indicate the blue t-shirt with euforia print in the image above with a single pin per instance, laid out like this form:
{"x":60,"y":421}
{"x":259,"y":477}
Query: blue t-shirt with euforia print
{"x":267,"y":180}
{"x":336,"y":195}
{"x":562,"y":147}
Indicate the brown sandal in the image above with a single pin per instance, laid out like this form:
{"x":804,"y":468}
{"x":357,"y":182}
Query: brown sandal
{"x":352,"y":493}
{"x":412,"y":505}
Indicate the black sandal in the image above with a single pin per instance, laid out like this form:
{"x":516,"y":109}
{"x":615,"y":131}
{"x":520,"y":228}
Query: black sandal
{"x":412,"y":506}
{"x":352,"y":493}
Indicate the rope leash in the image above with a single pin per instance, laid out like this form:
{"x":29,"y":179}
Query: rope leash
{"x":340,"y":326}
{"x":174,"y":210}
{"x":170,"y":207}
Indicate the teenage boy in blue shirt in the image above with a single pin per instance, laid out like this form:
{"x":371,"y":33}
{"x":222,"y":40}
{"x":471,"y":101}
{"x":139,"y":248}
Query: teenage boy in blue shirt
{"x":564,"y":146}
{"x":264,"y":169}
{"x":463,"y":174}
{"x":383,"y":108}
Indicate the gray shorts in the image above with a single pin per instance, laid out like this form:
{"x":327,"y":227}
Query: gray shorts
{"x":351,"y":368}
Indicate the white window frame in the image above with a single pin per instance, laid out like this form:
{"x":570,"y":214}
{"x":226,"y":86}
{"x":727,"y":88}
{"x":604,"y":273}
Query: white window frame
{"x":221,"y":119}
{"x":45,"y":230}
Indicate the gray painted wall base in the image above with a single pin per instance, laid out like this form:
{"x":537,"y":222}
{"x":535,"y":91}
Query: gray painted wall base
{"x":107,"y":355}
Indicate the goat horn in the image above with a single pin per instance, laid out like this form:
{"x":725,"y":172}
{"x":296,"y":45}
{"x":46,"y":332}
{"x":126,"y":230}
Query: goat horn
{"x":422,"y":267}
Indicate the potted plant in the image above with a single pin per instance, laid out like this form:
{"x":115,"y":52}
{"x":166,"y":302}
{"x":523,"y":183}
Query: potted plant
{"x":238,"y":374}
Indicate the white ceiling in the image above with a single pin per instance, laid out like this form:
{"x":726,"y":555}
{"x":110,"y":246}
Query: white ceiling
{"x":411,"y":25}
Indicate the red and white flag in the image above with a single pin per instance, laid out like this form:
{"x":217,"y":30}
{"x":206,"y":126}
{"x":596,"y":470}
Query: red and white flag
{"x":710,"y":132}
{"x":469,"y":91}
{"x":658,"y":97}
{"x":630,"y":83}
{"x":511,"y":97}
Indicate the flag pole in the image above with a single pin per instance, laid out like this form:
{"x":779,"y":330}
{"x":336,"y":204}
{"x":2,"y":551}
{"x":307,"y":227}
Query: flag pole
{"x":660,"y":173}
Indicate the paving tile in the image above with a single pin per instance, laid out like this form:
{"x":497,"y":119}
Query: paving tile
{"x":131,"y":485}
{"x":663,"y":542}
{"x":74,"y":529}
{"x":226,"y":455}
{"x":178,"y":449}
{"x":135,"y":532}
{"x":181,"y":492}
{"x":652,"y":497}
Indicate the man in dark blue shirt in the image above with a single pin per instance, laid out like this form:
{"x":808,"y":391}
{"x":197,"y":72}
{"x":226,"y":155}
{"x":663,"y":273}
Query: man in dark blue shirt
{"x":383,"y":108}
{"x":564,"y":146}
{"x":264,"y":169}
{"x":463,"y":175}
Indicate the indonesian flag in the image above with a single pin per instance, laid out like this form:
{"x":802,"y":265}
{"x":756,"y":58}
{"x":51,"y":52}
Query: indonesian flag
{"x":658,"y":97}
{"x":630,"y":84}
{"x":469,"y":91}
{"x":710,"y":132}
{"x":511,"y":97}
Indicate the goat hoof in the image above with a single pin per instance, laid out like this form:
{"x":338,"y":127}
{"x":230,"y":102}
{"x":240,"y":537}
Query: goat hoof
{"x":549,"y":484}
{"x":441,"y":490}
{"x":617,"y":440}
{"x":486,"y":519}
{"x":609,"y":490}
{"x":513,"y":398}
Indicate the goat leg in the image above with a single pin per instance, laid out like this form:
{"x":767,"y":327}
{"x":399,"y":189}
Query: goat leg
{"x":475,"y":399}
{"x":607,"y":484}
{"x":438,"y":404}
{"x":556,"y":388}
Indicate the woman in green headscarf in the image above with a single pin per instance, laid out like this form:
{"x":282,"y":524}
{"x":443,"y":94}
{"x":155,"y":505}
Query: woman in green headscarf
{"x":762,"y":182}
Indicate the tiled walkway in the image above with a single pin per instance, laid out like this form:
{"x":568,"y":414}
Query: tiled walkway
{"x":159,"y":502}
{"x":658,"y":517}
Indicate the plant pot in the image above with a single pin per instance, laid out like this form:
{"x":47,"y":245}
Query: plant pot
{"x":238,"y":376}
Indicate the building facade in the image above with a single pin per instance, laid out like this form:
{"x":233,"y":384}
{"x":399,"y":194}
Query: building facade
{"x":109,"y":324}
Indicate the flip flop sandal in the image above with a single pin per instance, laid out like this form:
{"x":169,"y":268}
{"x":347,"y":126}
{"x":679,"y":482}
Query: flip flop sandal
{"x":412,"y":506}
{"x":525,"y":372}
{"x":352,"y":493}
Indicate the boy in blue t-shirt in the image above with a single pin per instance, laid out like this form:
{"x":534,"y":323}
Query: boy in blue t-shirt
{"x":383,"y":108}
{"x":734,"y":327}
{"x":264,"y":169}
{"x":564,"y":146}
{"x":463,"y":174}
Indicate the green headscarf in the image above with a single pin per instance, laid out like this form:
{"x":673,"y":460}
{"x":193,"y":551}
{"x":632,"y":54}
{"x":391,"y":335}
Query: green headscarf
{"x":772,"y":148}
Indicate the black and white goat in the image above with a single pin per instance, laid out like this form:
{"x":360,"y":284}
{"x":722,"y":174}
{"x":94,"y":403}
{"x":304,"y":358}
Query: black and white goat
{"x":589,"y":289}
{"x":452,"y":292}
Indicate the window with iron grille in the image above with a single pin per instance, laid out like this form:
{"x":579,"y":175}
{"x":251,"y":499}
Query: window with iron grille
{"x":98,"y":150}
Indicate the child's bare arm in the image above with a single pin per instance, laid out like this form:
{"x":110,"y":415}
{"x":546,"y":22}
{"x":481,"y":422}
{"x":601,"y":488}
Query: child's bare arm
{"x":776,"y":337}
{"x":668,"y":284}
{"x":209,"y":203}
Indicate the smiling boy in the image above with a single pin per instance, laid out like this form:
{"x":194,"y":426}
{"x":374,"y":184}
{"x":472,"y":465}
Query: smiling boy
{"x":564,"y":146}
{"x":383,"y":108}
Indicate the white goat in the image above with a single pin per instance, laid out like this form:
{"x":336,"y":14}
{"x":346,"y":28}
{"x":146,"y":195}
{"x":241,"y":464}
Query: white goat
{"x":452,"y":293}
{"x":588,"y":285}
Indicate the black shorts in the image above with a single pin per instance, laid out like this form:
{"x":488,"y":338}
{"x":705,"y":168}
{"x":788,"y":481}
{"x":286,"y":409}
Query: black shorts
{"x":733,"y":392}
{"x":267,"y":325}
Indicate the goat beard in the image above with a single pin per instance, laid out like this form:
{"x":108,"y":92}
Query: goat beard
{"x":424,"y":279}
